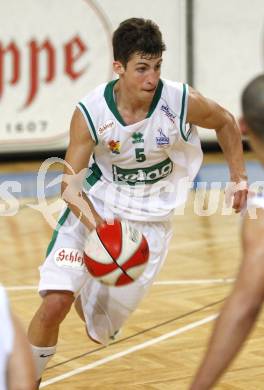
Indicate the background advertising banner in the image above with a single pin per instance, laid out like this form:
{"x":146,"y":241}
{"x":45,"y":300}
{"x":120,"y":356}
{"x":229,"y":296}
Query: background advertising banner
{"x":54,"y":52}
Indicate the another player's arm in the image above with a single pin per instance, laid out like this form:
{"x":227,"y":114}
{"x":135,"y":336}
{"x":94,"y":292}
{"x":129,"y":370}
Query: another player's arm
{"x":208,"y":114}
{"x":240,"y":310}
{"x":77,"y":158}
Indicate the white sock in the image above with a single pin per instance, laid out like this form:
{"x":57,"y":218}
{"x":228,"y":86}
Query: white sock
{"x":41,"y":357}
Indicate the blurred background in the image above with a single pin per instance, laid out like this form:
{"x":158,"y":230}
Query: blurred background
{"x":53,"y":52}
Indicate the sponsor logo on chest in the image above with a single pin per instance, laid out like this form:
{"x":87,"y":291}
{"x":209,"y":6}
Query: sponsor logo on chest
{"x":109,"y":125}
{"x":137,"y":138}
{"x":168,"y":112}
{"x":69,"y":258}
{"x":147,"y":175}
{"x":114,"y":146}
{"x":162,"y":140}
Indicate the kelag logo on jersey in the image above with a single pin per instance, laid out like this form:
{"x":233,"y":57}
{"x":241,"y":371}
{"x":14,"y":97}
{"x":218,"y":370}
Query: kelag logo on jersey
{"x":148,"y":175}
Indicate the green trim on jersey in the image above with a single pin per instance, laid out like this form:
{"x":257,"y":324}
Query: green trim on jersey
{"x":109,"y":98}
{"x":156,"y":98}
{"x":94,"y":174}
{"x":93,"y":133}
{"x":182,"y":114}
{"x":56,"y":231}
{"x":147,"y":175}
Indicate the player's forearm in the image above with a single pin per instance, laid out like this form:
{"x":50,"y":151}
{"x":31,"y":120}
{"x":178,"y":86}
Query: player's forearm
{"x":83,"y":209}
{"x":229,"y":139}
{"x":231,"y":330}
{"x":81,"y":206}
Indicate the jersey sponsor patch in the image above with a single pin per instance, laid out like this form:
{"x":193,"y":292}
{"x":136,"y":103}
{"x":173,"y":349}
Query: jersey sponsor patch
{"x":114,"y":146}
{"x":148,"y":175}
{"x":137,"y":138}
{"x":168,"y":112}
{"x":69,"y":258}
{"x":106,"y":126}
{"x":162,"y":140}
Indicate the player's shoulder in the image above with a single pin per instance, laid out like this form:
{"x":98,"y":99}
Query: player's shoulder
{"x":175,"y":97}
{"x":171,"y":85}
{"x":174,"y":91}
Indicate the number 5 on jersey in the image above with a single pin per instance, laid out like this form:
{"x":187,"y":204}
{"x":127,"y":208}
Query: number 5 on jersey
{"x":140,"y":156}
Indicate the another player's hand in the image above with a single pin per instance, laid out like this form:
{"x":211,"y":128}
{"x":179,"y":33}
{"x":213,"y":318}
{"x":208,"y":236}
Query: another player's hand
{"x":236,"y":194}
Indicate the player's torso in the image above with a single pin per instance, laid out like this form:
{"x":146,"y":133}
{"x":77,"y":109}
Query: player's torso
{"x":136,"y":167}
{"x":136,"y":153}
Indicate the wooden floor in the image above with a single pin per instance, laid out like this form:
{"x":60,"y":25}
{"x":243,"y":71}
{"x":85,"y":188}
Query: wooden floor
{"x":163,"y":341}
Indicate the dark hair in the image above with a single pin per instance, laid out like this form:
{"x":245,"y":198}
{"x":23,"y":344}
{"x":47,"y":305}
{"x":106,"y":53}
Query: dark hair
{"x":253,"y":105}
{"x":137,"y":35}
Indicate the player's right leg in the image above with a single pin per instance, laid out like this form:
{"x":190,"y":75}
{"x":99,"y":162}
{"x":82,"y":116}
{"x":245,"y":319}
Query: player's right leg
{"x":61,"y":277}
{"x":44,"y":328}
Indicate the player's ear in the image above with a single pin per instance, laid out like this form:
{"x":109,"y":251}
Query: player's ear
{"x":118,"y":67}
{"x":243,"y":126}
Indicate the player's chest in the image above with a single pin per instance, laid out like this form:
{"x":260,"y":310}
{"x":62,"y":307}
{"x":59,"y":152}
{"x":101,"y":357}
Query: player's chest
{"x":137,"y":143}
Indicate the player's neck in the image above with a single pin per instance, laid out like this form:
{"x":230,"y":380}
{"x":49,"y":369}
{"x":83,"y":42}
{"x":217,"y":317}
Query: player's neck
{"x":131,"y":108}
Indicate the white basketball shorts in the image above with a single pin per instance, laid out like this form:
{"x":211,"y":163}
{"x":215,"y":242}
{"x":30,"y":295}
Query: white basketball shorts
{"x":105,"y":308}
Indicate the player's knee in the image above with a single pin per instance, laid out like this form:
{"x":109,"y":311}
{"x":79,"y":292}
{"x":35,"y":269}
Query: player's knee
{"x":55,"y":307}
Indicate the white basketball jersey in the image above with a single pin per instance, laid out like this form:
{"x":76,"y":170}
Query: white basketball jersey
{"x":6,"y":337}
{"x":140,"y":171}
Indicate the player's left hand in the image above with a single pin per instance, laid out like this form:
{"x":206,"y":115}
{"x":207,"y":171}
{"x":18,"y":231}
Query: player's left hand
{"x":236,"y":193}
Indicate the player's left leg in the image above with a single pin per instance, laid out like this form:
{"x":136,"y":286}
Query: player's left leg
{"x":79,"y":310}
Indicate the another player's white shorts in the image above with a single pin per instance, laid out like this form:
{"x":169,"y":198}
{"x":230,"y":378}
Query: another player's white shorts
{"x":105,"y":308}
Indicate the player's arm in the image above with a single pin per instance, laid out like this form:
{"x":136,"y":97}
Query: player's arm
{"x":210,"y":115}
{"x":77,"y":158}
{"x":21,"y":370}
{"x":240,"y":310}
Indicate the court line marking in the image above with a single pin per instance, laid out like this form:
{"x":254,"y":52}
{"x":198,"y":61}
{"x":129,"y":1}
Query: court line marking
{"x":128,"y":351}
{"x":183,"y":282}
{"x":194,"y":281}
{"x":20,"y":288}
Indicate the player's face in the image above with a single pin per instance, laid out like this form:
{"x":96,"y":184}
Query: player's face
{"x":141,"y":76}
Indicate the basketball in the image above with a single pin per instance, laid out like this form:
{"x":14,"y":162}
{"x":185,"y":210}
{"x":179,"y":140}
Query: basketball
{"x":116,"y":254}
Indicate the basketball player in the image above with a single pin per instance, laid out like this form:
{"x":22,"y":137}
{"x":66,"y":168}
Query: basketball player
{"x":241,"y":309}
{"x":16,"y":364}
{"x":137,"y":136}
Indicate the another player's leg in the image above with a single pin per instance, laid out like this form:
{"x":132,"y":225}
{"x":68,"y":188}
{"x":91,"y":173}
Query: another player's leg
{"x":44,"y":327}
